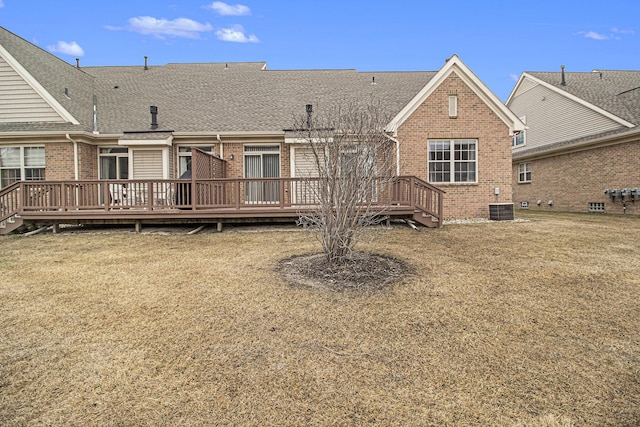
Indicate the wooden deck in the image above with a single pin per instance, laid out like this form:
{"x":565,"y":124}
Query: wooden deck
{"x":216,"y":201}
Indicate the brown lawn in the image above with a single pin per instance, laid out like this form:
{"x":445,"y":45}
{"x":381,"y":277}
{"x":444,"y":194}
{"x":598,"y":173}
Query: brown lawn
{"x":508,"y":324}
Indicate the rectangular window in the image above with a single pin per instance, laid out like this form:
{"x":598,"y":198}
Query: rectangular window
{"x":113,"y":163}
{"x":524,"y":205}
{"x":596,"y":206}
{"x":453,"y":106}
{"x":262,"y":161}
{"x":453,"y":160}
{"x":524,"y":172}
{"x":519,"y":139}
{"x":21,"y":163}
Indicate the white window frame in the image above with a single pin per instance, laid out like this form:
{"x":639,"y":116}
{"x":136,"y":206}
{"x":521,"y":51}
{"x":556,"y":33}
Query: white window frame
{"x":453,"y":106}
{"x":23,"y":167}
{"x":117,"y":155}
{"x":437,"y":146}
{"x":596,"y":207}
{"x":520,"y":139}
{"x":524,"y":172}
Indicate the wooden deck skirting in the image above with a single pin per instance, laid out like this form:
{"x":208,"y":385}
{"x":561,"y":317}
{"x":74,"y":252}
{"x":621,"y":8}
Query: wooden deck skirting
{"x":196,"y":200}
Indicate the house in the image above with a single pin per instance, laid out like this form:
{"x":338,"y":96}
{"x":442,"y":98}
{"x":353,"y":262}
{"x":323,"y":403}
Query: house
{"x":581,"y":147}
{"x":137,"y":130}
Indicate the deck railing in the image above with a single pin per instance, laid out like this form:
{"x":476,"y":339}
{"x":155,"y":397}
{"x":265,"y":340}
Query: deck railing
{"x":202,"y":194}
{"x":9,"y":202}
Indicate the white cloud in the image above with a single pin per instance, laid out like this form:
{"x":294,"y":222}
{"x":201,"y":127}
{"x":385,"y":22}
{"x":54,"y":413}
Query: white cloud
{"x":72,"y":48}
{"x":622,"y":31}
{"x":224,"y":9}
{"x":593,"y":35}
{"x":236,"y":34}
{"x":1,"y":4}
{"x":179,"y":27}
{"x":513,"y":77}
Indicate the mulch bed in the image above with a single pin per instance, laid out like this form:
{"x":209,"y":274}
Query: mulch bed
{"x":363,"y":271}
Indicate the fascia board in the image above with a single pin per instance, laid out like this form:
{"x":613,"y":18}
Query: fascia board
{"x":454,"y":64}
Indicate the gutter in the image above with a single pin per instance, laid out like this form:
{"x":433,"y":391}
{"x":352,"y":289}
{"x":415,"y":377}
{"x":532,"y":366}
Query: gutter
{"x":76,"y":166}
{"x":397,"y":142}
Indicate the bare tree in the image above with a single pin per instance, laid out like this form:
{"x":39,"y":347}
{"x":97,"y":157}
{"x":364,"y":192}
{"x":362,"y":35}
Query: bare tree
{"x":347,"y":174}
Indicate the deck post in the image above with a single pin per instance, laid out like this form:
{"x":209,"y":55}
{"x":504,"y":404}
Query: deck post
{"x":55,"y":227}
{"x":138,"y":226}
{"x":219,"y":227}
{"x":106,"y":196}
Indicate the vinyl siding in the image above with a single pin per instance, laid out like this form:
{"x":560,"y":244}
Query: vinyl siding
{"x":19,"y":102}
{"x":552,"y":118}
{"x":305,"y":162}
{"x":147,"y":164}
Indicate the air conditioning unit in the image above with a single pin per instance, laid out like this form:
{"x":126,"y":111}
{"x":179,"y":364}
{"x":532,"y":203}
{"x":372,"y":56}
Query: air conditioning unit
{"x":501,"y":211}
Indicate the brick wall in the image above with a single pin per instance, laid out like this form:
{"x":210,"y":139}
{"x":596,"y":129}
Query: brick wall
{"x":59,"y":161}
{"x":475,"y":120}
{"x":573,"y":180}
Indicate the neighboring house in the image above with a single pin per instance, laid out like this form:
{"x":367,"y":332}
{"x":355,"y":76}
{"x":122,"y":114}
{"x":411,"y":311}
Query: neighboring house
{"x":581,"y":147}
{"x":60,"y":122}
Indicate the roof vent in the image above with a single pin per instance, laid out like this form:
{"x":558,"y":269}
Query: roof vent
{"x":66,"y":93}
{"x":564,"y":81}
{"x":373,"y":80}
{"x":154,"y":117}
{"x":146,"y":63}
{"x":309,"y":108}
{"x":77,"y":62}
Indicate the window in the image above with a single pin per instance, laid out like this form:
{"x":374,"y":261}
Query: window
{"x":596,"y":206}
{"x":21,"y":163}
{"x":453,"y":160}
{"x":524,"y":205}
{"x":453,"y":106}
{"x":519,"y":139}
{"x":114,"y":163}
{"x":524,"y":172}
{"x":262,"y":161}
{"x":184,"y":157}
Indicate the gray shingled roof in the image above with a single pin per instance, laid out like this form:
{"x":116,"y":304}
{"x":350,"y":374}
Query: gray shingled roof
{"x":218,"y":97}
{"x":617,"y":92}
{"x":210,"y":97}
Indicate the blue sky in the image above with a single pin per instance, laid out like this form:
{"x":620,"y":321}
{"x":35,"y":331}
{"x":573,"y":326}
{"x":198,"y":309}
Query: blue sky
{"x":498,"y":40}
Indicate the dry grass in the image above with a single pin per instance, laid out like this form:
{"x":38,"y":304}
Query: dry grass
{"x":512,"y":324}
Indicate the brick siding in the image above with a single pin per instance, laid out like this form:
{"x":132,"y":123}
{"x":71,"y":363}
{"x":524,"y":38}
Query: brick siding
{"x":573,"y":180}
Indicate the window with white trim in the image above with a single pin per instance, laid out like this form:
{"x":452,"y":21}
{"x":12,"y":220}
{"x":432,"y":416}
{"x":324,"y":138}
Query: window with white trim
{"x":519,"y":139}
{"x":453,"y":160}
{"x":21,"y":164}
{"x":596,"y":206}
{"x":524,"y":172}
{"x":453,"y":106}
{"x":113,"y":163}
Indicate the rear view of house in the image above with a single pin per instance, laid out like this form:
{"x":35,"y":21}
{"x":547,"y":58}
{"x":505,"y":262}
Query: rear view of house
{"x":582,"y":143}
{"x":125,"y":143}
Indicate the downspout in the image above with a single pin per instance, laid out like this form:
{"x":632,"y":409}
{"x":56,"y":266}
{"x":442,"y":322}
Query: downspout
{"x":397,"y":152}
{"x":76,"y":166}
{"x":221,"y":146}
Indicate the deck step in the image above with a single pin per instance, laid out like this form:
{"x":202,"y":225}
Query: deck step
{"x":423,"y":219}
{"x":10,"y":226}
